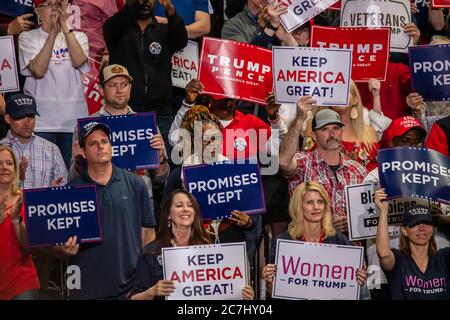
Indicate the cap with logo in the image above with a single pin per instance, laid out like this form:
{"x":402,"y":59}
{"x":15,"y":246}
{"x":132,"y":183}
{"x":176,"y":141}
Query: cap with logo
{"x":325,"y":117}
{"x":90,"y":127}
{"x":112,"y":71}
{"x":417,"y":215}
{"x":20,"y":105}
{"x":402,"y":125}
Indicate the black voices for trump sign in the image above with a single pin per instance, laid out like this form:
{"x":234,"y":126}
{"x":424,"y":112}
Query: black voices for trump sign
{"x":415,"y":172}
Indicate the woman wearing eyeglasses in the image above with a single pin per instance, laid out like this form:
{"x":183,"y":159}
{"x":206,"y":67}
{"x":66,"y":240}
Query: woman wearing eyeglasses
{"x":199,"y":120}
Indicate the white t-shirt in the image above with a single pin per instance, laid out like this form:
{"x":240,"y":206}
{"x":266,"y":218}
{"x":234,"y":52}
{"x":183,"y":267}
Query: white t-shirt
{"x":59,"y":94}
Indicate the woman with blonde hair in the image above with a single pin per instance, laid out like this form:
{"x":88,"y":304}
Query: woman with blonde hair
{"x":18,"y":278}
{"x":359,"y":140}
{"x":312,"y":221}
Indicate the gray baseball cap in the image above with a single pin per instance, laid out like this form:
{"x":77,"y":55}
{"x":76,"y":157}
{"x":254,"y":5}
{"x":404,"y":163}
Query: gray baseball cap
{"x":325,"y":117}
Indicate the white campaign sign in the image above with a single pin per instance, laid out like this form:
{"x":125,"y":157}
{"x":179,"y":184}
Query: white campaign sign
{"x":185,"y":65}
{"x":301,"y":11}
{"x":308,"y":270}
{"x":362,"y":213}
{"x":323,"y":73}
{"x":208,"y":272}
{"x":9,"y":80}
{"x":380,"y":13}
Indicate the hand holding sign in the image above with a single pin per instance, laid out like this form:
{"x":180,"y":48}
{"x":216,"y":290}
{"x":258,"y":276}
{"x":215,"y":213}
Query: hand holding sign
{"x":242,"y":219}
{"x":70,"y":248}
{"x":193,"y":89}
{"x":412,"y":30}
{"x":381,"y":201}
{"x":248,"y":293}
{"x":415,"y":101}
{"x":275,"y":10}
{"x":162,"y":288}
{"x":272,"y":107}
{"x":268,"y":272}
{"x":361,"y":276}
{"x":157,"y":142}
{"x":304,"y":105}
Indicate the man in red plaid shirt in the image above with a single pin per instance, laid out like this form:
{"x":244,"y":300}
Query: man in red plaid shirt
{"x":326,"y":164}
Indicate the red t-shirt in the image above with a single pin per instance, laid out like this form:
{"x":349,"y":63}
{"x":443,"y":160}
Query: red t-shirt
{"x":437,"y":140}
{"x":17,"y":271}
{"x":393,"y":91}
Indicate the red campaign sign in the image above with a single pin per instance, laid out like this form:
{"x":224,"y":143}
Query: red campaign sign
{"x":91,"y":83}
{"x":370,"y":48}
{"x":236,"y":70}
{"x":336,"y":6}
{"x":441,"y":3}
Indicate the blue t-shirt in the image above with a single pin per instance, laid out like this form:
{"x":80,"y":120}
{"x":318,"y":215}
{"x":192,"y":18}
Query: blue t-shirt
{"x":108,"y":268}
{"x":185,"y":8}
{"x":408,"y":282}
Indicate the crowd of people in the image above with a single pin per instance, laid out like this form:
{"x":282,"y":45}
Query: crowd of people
{"x":320,"y":150}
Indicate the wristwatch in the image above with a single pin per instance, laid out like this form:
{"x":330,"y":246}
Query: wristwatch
{"x":271,"y":27}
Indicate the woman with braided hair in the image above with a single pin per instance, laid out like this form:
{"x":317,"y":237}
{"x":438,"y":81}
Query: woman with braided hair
{"x":200,"y":131}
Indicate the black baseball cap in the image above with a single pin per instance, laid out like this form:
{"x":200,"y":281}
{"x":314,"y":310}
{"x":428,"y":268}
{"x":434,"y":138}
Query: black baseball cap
{"x":90,"y":127}
{"x":20,"y":105}
{"x":417,"y":215}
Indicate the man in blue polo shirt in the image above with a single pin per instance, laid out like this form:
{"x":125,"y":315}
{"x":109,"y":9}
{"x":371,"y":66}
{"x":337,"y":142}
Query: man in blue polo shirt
{"x":127,"y":221}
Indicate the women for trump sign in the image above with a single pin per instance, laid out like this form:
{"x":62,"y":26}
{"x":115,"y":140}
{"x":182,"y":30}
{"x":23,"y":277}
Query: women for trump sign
{"x":308,"y":270}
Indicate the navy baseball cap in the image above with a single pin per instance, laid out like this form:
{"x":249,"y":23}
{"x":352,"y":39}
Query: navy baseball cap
{"x":90,"y":127}
{"x":20,"y":105}
{"x":417,"y":215}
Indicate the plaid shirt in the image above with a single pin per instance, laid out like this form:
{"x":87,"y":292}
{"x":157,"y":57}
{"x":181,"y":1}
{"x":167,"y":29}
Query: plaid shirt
{"x":45,"y":161}
{"x":311,"y":167}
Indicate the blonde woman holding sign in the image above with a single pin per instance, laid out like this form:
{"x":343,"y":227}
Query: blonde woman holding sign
{"x":180,"y":226}
{"x":311,"y":222}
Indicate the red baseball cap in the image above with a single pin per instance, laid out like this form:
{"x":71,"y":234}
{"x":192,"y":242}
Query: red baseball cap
{"x":38,"y":2}
{"x":402,"y":125}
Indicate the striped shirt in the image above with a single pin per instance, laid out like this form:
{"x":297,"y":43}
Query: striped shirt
{"x":45,"y":161}
{"x":311,"y":167}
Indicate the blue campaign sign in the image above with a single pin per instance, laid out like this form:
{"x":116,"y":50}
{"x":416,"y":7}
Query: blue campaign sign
{"x":53,"y":215}
{"x":14,"y":8}
{"x":430,"y":71}
{"x":130,"y":135}
{"x":415,"y":172}
{"x":223,"y":187}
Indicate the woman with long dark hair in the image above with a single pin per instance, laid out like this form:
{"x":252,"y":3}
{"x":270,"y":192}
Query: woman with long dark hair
{"x":180,"y":226}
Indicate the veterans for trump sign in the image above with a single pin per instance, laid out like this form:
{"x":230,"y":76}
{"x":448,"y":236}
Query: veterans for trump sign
{"x":430,"y":71}
{"x":236,"y":70}
{"x":9,"y":80}
{"x":223,"y":187}
{"x":91,"y":84}
{"x":319,"y":72}
{"x":370,"y":48}
{"x":308,"y":270}
{"x":362,"y":213}
{"x":208,"y":272}
{"x":53,"y":215}
{"x":415,"y":172}
{"x":380,"y":13}
{"x":301,"y":11}
{"x":130,"y":139}
{"x":185,"y":65}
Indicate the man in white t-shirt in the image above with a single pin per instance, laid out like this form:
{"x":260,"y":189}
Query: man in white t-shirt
{"x":53,"y":59}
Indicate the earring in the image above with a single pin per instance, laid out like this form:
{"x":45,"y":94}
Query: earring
{"x":354,"y":113}
{"x":169,"y":224}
